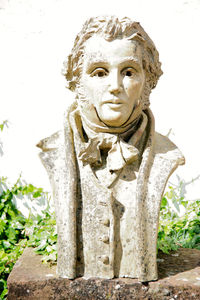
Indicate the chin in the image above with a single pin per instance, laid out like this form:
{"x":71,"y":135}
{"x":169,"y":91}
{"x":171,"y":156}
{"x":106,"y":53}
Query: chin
{"x":113,"y":122}
{"x":113,"y":118}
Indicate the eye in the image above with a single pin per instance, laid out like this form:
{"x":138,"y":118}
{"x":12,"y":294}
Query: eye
{"x":129,"y":72}
{"x":99,"y":72}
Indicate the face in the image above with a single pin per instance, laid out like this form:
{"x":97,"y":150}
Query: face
{"x":112,"y":78}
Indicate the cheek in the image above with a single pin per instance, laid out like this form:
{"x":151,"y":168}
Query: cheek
{"x":87,"y":88}
{"x":94,"y":89}
{"x":133,"y":87}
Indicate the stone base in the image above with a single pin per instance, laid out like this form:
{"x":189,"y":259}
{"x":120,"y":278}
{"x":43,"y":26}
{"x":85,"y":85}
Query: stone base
{"x":179,"y":278}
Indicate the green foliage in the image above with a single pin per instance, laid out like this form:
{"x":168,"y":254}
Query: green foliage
{"x":3,"y":124}
{"x":11,"y":223}
{"x":17,"y":232}
{"x":176,"y":230}
{"x":43,"y":236}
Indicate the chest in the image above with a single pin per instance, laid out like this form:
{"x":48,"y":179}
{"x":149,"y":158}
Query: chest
{"x":108,"y":221}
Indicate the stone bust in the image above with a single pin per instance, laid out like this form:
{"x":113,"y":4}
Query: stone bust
{"x":108,"y":167}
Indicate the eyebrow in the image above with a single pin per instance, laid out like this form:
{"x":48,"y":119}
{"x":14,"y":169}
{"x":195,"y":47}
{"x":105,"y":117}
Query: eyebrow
{"x":131,"y":58}
{"x":94,"y":61}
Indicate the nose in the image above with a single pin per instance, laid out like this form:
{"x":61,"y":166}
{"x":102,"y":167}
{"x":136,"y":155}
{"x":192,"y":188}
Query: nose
{"x":115,"y":85}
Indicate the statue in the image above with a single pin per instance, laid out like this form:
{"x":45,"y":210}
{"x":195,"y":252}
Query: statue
{"x":108,"y":167}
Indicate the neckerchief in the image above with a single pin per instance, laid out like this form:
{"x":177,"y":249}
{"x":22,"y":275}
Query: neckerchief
{"x":120,"y":152}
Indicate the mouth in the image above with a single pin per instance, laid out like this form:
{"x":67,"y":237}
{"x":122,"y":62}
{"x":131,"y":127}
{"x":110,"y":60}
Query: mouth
{"x":114,"y":102}
{"x":114,"y":105}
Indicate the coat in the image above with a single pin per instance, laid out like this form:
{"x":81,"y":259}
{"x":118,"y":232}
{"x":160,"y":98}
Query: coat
{"x":107,"y":232}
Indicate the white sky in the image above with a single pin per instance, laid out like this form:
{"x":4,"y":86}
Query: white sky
{"x":35,"y":38}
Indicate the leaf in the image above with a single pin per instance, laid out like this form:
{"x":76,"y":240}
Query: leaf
{"x":164,"y":202}
{"x":37,"y":194}
{"x":11,"y":234}
{"x":2,"y":226}
{"x":43,"y":245}
{"x":6,"y":244}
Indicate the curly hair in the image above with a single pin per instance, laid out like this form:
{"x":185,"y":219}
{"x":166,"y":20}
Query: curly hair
{"x":111,"y":28}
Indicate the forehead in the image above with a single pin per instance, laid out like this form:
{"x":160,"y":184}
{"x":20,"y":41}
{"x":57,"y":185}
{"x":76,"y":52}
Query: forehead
{"x":98,"y":49}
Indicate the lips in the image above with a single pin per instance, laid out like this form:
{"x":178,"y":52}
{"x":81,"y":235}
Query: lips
{"x":114,"y":104}
{"x":113,"y":101}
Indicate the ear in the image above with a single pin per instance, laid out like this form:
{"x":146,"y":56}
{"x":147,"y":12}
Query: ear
{"x":67,"y":71}
{"x":145,"y":94}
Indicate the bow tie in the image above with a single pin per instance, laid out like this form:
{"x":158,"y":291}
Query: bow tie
{"x":120,"y":153}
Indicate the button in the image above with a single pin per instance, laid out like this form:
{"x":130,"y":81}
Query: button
{"x":103,"y":203}
{"x":105,"y":259}
{"x":104,"y":239}
{"x":106,"y":222}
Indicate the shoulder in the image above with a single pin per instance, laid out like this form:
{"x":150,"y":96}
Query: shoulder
{"x":165,"y":149}
{"x":51,"y":143}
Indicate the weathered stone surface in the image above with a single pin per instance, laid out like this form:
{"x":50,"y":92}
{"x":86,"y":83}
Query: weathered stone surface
{"x":179,"y":278}
{"x":108,"y":165}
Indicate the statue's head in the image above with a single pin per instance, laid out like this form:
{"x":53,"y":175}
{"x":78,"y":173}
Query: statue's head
{"x":112,"y":68}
